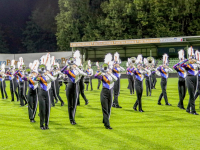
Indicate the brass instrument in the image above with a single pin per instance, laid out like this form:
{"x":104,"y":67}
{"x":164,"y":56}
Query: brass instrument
{"x":150,"y":60}
{"x":133,"y":60}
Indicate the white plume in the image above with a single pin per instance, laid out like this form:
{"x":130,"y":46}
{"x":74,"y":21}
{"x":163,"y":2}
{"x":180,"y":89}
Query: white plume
{"x":43,"y":59}
{"x":78,"y":61}
{"x":3,"y":67}
{"x":108,"y":58}
{"x":190,"y":51}
{"x":30,"y":65}
{"x":181,"y":54}
{"x":197,"y":54}
{"x":35,"y":65}
{"x":139,"y":59}
{"x":97,"y":64}
{"x":77,"y":54}
{"x":116,"y":56}
{"x":19,"y":65}
{"x":53,"y":60}
{"x":89,"y":63}
{"x":145,"y":61}
{"x":13,"y":62}
{"x":165,"y":59}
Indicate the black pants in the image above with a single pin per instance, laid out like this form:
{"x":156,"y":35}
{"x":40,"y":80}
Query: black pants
{"x":22,"y":92}
{"x":181,"y":91}
{"x":191,"y":82}
{"x":90,"y":84}
{"x":44,"y":107}
{"x":3,"y":89}
{"x":148,"y":86}
{"x":163,"y":84}
{"x":154,"y":80}
{"x":81,"y":91}
{"x":116,"y":91}
{"x":99,"y":83}
{"x":51,"y":95}
{"x":56,"y":90}
{"x":139,"y":91}
{"x":131,"y":84}
{"x":72,"y":93}
{"x":32,"y":102}
{"x":106,"y":103}
{"x":13,"y":89}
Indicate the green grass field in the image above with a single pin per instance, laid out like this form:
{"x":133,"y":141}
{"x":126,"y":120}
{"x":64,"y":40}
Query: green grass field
{"x":159,"y":127}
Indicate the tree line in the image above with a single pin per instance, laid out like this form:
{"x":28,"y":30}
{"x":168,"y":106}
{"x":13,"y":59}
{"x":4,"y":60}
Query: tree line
{"x":53,"y":27}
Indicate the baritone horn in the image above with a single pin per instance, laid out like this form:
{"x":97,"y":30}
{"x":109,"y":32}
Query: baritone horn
{"x":150,"y":60}
{"x":133,"y":60}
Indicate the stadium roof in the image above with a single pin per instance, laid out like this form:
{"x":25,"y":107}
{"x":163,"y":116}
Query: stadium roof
{"x":178,"y":41}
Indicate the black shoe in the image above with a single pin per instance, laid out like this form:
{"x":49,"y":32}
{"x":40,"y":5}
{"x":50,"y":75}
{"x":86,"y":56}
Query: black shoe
{"x":86,"y":102}
{"x":135,"y":108}
{"x":117,"y":106}
{"x":159,"y":104}
{"x":43,"y":128}
{"x":25,"y":103}
{"x":62,"y":103}
{"x":12,"y":100}
{"x":113,"y":105}
{"x":39,"y":114}
{"x":108,"y":127}
{"x":32,"y":120}
{"x":91,"y":89}
{"x":149,"y":94}
{"x":52,"y":105}
{"x":56,"y":101}
{"x":73,"y":122}
{"x":181,"y":107}
{"x":168,"y":104}
{"x":141,"y":110}
{"x":194,"y":113}
{"x":78,"y":104}
{"x":187,"y":111}
{"x":46,"y":127}
{"x":21,"y":105}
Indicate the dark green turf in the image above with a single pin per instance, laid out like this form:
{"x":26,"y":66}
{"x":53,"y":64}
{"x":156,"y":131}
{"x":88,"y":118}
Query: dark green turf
{"x":159,"y":127}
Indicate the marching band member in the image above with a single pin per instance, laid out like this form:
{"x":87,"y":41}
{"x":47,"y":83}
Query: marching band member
{"x":80,"y":82}
{"x":154,"y":80}
{"x":116,"y":71}
{"x":191,"y":79}
{"x":31,"y":76}
{"x":3,"y":83}
{"x":181,"y":79}
{"x":98,"y":70}
{"x":106,"y":95}
{"x":22,"y":84}
{"x":139,"y":77}
{"x":45,"y":79}
{"x":148,"y":78}
{"x":89,"y":72}
{"x":13,"y":80}
{"x":73,"y":73}
{"x":131,"y":62}
{"x":55,"y":84}
{"x":197,"y":93}
{"x":164,"y":70}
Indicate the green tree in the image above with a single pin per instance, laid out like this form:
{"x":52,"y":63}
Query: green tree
{"x":39,"y":34}
{"x":3,"y":44}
